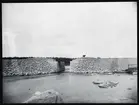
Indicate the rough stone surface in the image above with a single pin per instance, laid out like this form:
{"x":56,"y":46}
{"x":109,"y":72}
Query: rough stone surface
{"x":97,"y":82}
{"x":101,"y":65}
{"x":29,"y":66}
{"x":108,"y":84}
{"x":49,"y":96}
{"x":37,"y":93}
{"x":104,"y":85}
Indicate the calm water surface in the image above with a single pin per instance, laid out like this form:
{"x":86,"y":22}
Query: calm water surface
{"x":73,"y":87}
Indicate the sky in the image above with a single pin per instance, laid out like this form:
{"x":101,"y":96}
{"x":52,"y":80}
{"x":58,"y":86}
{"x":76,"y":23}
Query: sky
{"x":95,"y":29}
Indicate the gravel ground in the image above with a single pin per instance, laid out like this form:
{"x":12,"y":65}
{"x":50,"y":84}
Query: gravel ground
{"x":74,"y":88}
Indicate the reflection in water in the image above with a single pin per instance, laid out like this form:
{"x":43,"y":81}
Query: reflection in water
{"x":75,"y":88}
{"x":60,"y":76}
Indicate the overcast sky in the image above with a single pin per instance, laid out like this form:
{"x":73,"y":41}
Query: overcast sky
{"x":70,"y":29}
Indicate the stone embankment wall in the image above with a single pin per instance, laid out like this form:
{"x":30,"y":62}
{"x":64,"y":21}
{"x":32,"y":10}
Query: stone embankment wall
{"x":88,"y":64}
{"x":29,"y":66}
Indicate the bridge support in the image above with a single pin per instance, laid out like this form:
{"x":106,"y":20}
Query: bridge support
{"x":61,"y":66}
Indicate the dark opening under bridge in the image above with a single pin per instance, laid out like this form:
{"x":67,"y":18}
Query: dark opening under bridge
{"x":62,"y":62}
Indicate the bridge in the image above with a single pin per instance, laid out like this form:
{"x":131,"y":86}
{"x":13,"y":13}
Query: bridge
{"x":65,"y":60}
{"x":62,"y":62}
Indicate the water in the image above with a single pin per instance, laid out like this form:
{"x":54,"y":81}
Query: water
{"x":73,"y":87}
